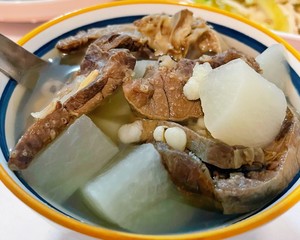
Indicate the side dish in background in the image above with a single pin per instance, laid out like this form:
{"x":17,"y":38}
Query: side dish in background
{"x":32,"y":11}
{"x":280,"y":15}
{"x":182,"y":108}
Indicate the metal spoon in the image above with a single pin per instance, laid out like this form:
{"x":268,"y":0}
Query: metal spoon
{"x":41,"y":79}
{"x":25,"y":67}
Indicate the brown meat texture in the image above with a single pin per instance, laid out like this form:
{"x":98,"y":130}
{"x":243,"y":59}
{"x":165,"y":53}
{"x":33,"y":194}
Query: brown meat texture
{"x":257,"y":188}
{"x":114,"y":65}
{"x":180,"y":35}
{"x":240,"y":190}
{"x":208,"y":149}
{"x":227,"y":56}
{"x":187,"y":171}
{"x":39,"y":135}
{"x":83,"y":38}
{"x":159,"y":94}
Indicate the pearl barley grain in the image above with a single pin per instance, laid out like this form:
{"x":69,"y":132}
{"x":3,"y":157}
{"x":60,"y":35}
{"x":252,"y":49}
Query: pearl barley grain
{"x":176,"y":138}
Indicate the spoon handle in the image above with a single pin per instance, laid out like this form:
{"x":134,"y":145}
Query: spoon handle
{"x":15,"y":61}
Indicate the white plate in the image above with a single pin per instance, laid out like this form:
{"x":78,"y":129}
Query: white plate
{"x":40,"y":10}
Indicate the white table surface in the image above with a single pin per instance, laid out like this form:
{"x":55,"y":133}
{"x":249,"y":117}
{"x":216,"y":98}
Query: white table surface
{"x":18,"y":221}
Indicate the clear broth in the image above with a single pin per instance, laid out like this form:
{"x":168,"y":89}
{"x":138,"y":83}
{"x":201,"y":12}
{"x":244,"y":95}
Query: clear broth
{"x":172,"y":215}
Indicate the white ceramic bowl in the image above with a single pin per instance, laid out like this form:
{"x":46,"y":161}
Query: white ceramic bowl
{"x":244,"y":35}
{"x":293,"y":39}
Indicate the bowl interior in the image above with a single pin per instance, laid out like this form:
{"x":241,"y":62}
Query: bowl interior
{"x":16,"y":104}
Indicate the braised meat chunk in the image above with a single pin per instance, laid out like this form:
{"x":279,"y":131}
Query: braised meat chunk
{"x":83,"y":38}
{"x":180,"y":35}
{"x":230,"y":54}
{"x":241,"y":189}
{"x":159,"y":94}
{"x":254,"y":189}
{"x":244,"y":189}
{"x":208,"y":149}
{"x":103,"y":70}
{"x":187,"y":171}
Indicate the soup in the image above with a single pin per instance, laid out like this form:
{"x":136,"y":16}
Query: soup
{"x":153,"y":155}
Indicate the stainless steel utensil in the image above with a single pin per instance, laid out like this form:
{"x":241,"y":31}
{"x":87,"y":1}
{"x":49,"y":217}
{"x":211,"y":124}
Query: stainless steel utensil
{"x":40,"y":79}
{"x":25,"y":67}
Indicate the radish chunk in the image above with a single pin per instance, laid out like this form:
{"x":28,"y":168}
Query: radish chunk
{"x":134,"y":184}
{"x":240,"y":106}
{"x":274,"y":65}
{"x":167,"y":215}
{"x":141,"y":66}
{"x":70,"y":161}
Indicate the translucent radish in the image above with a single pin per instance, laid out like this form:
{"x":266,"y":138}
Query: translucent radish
{"x":274,"y":65}
{"x":136,"y":182}
{"x":240,"y":106}
{"x":70,"y":161}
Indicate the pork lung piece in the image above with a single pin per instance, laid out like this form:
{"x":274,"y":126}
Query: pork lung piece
{"x":208,"y":149}
{"x":180,"y":35}
{"x":227,"y":56}
{"x":114,"y":66}
{"x":84,"y":38}
{"x":96,"y":54}
{"x":256,"y":188}
{"x":159,"y":94}
{"x":187,"y":171}
{"x":239,"y":191}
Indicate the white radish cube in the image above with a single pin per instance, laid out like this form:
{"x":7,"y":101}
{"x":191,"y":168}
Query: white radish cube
{"x":274,"y":65}
{"x":141,"y":66}
{"x":70,"y":161}
{"x":167,"y":215}
{"x":240,"y":106}
{"x":136,"y":182}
